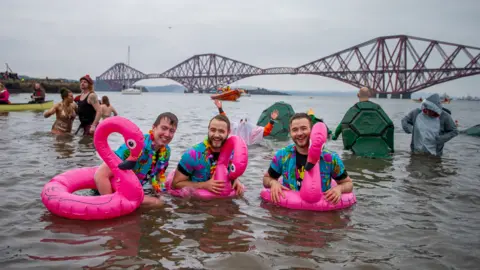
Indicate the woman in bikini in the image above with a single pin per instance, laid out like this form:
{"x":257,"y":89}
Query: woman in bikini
{"x":107,"y":109}
{"x":65,"y":112}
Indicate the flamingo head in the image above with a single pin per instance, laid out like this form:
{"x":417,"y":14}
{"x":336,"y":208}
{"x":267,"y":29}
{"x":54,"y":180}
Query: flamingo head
{"x":134,"y":141}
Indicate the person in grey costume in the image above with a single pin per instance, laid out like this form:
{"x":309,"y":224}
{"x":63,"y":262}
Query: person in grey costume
{"x":431,"y":127}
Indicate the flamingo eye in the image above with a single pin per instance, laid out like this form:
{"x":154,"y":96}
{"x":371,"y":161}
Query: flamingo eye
{"x":131,"y":144}
{"x":232,"y":168}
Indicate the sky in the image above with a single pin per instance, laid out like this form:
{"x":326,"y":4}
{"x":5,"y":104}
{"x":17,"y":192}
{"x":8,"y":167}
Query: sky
{"x":67,"y":39}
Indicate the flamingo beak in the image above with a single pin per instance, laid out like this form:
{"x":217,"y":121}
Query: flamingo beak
{"x":127,"y":165}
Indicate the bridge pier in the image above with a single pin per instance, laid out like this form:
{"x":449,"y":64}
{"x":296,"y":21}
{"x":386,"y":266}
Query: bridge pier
{"x":406,"y":95}
{"x":395,"y":96}
{"x":382,"y":95}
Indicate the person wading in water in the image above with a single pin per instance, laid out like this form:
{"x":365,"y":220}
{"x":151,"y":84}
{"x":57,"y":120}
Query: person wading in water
{"x":65,"y":112}
{"x":89,"y":110}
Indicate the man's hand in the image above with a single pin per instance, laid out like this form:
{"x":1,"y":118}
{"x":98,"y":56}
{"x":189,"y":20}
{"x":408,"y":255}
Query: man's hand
{"x":238,"y":187}
{"x":276,"y":189}
{"x":333,"y":195}
{"x":218,"y":103}
{"x":213,"y":185}
{"x":92,"y":129}
{"x":274,"y":114}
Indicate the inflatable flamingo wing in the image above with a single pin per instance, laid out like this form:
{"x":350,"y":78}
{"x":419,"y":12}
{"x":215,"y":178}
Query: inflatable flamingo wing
{"x":57,"y":194}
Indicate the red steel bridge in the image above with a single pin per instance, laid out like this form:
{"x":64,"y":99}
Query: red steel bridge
{"x":396,"y":65}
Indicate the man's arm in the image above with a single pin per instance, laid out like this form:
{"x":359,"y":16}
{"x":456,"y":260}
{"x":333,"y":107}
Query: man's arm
{"x":267,"y":179}
{"x":340,"y":175}
{"x":51,"y":112}
{"x":338,"y":131}
{"x":185,"y":169}
{"x":274,"y":170}
{"x":181,"y":180}
{"x":268,"y":128}
{"x":346,"y":185}
{"x":93,"y":100}
{"x":450,"y":131}
{"x":407,"y":122}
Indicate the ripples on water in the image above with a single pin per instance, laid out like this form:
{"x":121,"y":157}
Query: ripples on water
{"x":413,"y":212}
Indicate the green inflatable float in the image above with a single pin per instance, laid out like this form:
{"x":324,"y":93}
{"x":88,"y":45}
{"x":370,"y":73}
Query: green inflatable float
{"x":367,"y":130}
{"x":280,"y":128}
{"x":473,"y":131}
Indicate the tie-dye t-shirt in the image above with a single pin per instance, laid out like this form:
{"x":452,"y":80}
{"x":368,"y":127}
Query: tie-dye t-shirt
{"x":198,"y":162}
{"x":284,"y":163}
{"x":144,"y":162}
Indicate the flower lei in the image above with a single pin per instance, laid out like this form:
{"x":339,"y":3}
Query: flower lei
{"x":209,"y":156}
{"x":160,"y":155}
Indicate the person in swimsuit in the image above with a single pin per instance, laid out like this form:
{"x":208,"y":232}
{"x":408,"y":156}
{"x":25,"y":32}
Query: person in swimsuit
{"x":89,"y":110}
{"x":106,"y":108}
{"x":65,"y":111}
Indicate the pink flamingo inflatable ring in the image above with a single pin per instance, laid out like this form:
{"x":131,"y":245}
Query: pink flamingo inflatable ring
{"x":310,"y":196}
{"x":57,"y":193}
{"x":234,"y":149}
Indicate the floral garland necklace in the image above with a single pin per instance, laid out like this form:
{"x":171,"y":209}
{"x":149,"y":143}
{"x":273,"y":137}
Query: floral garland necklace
{"x":159,"y":155}
{"x":209,"y":156}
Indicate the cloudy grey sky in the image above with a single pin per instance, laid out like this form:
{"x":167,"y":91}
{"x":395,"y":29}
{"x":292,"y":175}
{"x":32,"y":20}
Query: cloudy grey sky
{"x":60,"y":38}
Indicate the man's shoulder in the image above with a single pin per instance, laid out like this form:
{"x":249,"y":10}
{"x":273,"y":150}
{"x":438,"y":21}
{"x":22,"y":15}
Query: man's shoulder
{"x":287,"y":149}
{"x":199,"y":147}
{"x":329,"y":155}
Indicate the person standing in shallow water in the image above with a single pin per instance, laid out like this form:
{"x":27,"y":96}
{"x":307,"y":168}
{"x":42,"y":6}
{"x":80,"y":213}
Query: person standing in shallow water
{"x":431,"y":127}
{"x":107,"y":108}
{"x":65,"y":112}
{"x":89,"y":110}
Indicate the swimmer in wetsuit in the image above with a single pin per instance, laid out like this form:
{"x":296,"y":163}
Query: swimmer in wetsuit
{"x":65,"y":112}
{"x":89,"y":110}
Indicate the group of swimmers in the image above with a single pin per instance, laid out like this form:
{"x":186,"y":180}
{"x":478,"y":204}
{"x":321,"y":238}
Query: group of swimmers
{"x":89,"y":109}
{"x":430,"y":126}
{"x":197,"y":164}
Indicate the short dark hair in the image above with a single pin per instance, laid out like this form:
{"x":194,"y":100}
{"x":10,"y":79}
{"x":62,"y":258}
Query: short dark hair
{"x":300,"y":116}
{"x":169,"y":116}
{"x":222,"y":118}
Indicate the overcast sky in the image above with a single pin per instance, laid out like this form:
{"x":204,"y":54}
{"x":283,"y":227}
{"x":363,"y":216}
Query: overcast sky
{"x":60,"y":38}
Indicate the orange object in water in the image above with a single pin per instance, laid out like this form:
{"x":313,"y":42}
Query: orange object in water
{"x":231,"y":95}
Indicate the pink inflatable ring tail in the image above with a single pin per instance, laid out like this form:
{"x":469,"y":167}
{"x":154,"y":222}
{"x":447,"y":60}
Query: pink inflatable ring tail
{"x":57,"y":193}
{"x":239,"y":164}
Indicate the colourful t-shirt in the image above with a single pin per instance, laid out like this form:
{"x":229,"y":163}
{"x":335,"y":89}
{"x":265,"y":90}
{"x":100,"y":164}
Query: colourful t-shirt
{"x":198,"y":162}
{"x":284,"y":163}
{"x":144,"y":163}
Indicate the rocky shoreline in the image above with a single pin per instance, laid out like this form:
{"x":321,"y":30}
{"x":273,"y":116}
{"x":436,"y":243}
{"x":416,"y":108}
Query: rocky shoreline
{"x":50,"y":86}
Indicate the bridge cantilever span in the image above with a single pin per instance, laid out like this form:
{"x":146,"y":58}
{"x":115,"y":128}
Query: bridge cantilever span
{"x":280,"y":70}
{"x":398,"y":64}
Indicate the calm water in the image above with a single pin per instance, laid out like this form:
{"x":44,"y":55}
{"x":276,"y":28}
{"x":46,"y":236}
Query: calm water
{"x":412,"y":212}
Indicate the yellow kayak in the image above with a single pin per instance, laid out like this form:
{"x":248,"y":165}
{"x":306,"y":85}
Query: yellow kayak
{"x":26,"y":106}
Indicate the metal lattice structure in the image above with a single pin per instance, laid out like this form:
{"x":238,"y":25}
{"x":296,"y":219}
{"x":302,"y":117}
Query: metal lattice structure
{"x":387,"y":65}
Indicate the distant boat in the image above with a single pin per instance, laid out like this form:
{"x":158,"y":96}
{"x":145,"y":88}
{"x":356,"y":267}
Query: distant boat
{"x":131,"y":91}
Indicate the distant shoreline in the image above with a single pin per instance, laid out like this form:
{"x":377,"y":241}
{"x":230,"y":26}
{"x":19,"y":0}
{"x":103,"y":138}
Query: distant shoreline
{"x":50,"y":86}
